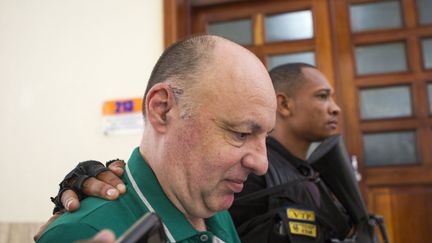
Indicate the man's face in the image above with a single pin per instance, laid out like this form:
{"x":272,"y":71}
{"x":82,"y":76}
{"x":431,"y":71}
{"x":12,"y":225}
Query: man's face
{"x":314,"y":112}
{"x":223,"y":141}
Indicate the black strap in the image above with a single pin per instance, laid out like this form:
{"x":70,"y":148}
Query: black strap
{"x":268,"y":191}
{"x":334,"y":208}
{"x":337,"y":212}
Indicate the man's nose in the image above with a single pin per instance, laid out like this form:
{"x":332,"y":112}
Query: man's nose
{"x":334,"y":108}
{"x":256,"y":160}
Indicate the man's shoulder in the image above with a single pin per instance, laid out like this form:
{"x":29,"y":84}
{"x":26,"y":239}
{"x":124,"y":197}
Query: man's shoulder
{"x":95,"y":214}
{"x":67,"y":232}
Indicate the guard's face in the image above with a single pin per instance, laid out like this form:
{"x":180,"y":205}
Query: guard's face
{"x":314,"y":112}
{"x":224,"y":139}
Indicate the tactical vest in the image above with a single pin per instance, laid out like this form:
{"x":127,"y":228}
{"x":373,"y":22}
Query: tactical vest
{"x":300,"y":207}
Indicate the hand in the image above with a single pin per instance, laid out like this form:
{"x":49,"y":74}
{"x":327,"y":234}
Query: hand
{"x":107,"y":185}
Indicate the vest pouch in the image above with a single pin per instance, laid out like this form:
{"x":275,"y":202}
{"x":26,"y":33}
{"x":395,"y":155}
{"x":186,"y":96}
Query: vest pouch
{"x":284,"y":224}
{"x":263,"y":228}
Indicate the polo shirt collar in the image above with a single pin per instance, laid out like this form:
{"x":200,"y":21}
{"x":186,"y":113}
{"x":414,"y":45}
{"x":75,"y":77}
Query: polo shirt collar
{"x":173,"y":219}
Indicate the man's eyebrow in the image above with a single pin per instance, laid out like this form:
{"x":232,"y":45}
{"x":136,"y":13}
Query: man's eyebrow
{"x":325,"y":89}
{"x":255,"y":127}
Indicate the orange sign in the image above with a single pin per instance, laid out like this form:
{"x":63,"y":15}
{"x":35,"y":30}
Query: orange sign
{"x":114,"y":107}
{"x":122,"y":116}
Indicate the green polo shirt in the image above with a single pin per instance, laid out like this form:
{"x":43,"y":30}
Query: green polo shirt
{"x":144,"y":194}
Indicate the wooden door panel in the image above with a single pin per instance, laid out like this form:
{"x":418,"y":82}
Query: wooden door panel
{"x":379,"y":202}
{"x":406,"y":210}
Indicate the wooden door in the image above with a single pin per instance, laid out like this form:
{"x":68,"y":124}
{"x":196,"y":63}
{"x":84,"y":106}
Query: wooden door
{"x":378,"y":56}
{"x":384,"y":73}
{"x":255,"y":24}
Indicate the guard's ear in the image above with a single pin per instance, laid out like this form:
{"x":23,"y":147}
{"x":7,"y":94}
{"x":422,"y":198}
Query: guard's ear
{"x":159,"y":102}
{"x":283,"y":104}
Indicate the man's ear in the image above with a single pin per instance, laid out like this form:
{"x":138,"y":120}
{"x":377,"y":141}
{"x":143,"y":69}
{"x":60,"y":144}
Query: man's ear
{"x":283,"y":104}
{"x":159,"y":102}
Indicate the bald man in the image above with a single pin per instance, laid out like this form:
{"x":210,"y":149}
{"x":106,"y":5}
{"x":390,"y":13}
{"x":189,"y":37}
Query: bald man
{"x":208,"y":108}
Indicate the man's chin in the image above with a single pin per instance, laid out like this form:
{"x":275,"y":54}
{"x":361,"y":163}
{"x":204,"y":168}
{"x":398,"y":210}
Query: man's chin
{"x":327,"y":135}
{"x":229,"y":202}
{"x":224,"y":203}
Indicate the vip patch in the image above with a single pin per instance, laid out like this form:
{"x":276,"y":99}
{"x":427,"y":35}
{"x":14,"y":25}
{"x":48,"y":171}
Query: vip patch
{"x":301,"y":221}
{"x":299,"y":228}
{"x":300,"y":214}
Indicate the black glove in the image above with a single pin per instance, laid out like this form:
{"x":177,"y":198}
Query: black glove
{"x":75,"y":180}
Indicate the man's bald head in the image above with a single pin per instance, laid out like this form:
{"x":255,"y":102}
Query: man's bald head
{"x":181,"y":63}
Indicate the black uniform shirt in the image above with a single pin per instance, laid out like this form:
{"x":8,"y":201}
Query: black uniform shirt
{"x":304,"y":194}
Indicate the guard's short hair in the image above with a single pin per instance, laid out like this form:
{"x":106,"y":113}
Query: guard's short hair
{"x":181,"y":63}
{"x":287,"y":78}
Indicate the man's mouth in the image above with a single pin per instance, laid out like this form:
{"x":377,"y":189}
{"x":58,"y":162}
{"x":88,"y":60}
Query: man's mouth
{"x":333,"y":124}
{"x":235,"y":185}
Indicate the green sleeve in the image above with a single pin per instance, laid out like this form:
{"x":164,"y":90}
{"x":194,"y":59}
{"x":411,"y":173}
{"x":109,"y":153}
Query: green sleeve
{"x":68,"y":232}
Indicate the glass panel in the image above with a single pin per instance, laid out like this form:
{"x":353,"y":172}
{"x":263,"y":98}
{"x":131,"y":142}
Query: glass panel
{"x":385,"y":102}
{"x":381,"y":58}
{"x":390,"y":148}
{"x":239,"y":31}
{"x":427,"y":52}
{"x":425,"y":9}
{"x":374,"y":16}
{"x":289,"y":26}
{"x":429,"y":87}
{"x":276,"y":60}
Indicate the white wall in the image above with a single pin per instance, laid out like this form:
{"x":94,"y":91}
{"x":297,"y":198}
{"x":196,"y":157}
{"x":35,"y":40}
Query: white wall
{"x":59,"y":60}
